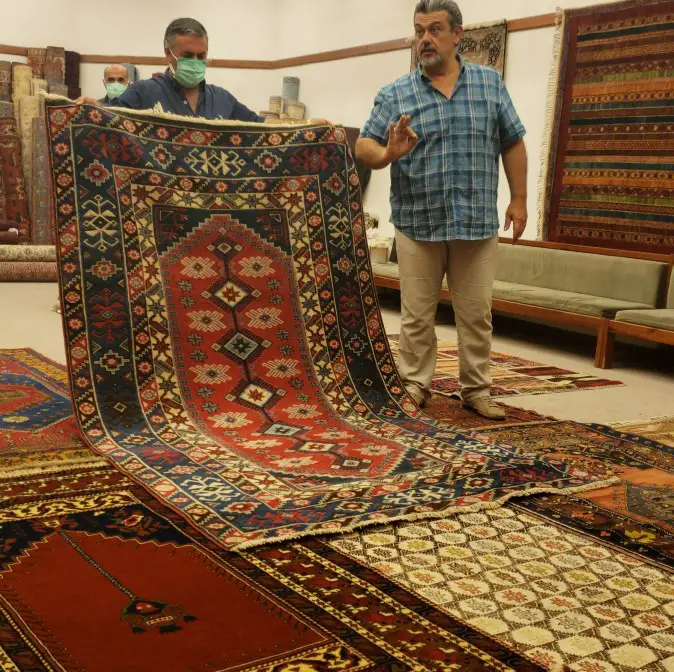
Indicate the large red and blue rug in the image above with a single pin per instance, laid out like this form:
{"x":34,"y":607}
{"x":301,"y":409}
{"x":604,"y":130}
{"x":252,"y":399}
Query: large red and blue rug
{"x":224,"y":342}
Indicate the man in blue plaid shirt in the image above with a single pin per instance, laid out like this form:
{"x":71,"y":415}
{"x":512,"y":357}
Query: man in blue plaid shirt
{"x":442,"y":128}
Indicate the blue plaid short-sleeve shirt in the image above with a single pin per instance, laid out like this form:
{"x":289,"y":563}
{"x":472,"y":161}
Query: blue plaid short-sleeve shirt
{"x":446,"y":187}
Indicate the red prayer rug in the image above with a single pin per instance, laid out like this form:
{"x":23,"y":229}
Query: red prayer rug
{"x":225,"y":345}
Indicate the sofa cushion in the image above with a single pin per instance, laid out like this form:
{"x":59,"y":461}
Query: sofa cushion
{"x":660,"y":319}
{"x":670,"y":295}
{"x":572,"y":302}
{"x":632,"y":280}
{"x":390,"y":270}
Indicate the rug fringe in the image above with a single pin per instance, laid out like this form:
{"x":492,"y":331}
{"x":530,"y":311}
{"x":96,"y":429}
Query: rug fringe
{"x":549,"y":127}
{"x":486,"y":24}
{"x":427,"y":515}
{"x":565,"y":387}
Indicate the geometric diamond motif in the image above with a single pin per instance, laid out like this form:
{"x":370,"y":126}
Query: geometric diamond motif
{"x":241,"y":346}
{"x":279,"y":429}
{"x":316,"y":447}
{"x":255,"y":395}
{"x":112,"y":362}
{"x":231,"y":294}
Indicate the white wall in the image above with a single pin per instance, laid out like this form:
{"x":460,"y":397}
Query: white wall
{"x":238,"y":29}
{"x":325,"y":25}
{"x":243,"y":29}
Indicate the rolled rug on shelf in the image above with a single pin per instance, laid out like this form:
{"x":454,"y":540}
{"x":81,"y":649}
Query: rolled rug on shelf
{"x":55,"y":65}
{"x":25,"y":253}
{"x":10,"y":237}
{"x":22,"y":76}
{"x":15,"y":206}
{"x":6,"y":224}
{"x":5,"y":81}
{"x":28,"y":271}
{"x":36,"y":59}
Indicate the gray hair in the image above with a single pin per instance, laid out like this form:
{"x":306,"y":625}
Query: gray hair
{"x":183,"y":27}
{"x":449,"y":6}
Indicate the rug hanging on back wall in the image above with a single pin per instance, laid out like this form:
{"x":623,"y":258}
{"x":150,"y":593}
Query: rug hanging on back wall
{"x":224,"y":342}
{"x":609,"y":176}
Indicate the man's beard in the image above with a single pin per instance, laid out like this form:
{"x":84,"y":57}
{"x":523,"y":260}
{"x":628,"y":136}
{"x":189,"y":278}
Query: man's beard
{"x":430,"y":59}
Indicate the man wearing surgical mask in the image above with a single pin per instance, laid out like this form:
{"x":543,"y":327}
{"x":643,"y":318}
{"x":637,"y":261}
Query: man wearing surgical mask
{"x":116,"y":81}
{"x":182,"y":88}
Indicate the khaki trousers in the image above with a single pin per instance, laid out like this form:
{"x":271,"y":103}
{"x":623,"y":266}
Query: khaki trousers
{"x":470,"y":267}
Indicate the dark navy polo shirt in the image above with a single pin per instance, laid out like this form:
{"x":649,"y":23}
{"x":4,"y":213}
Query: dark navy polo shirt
{"x":214,"y":101}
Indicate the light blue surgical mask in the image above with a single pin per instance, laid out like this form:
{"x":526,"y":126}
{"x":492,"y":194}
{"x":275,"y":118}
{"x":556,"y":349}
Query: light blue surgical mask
{"x":189,"y":72}
{"x":115,"y":89}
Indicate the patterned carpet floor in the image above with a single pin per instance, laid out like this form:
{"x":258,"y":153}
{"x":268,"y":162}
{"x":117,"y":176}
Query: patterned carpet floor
{"x":510,"y":588}
{"x":228,"y":368}
{"x":551,"y":594}
{"x":511,"y":376}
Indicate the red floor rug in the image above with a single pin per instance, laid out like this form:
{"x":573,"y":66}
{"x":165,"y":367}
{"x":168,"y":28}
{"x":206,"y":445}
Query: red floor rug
{"x":224,"y":342}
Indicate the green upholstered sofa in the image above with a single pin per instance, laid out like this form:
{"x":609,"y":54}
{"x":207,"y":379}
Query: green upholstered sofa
{"x":656,"y":324}
{"x":580,"y":289}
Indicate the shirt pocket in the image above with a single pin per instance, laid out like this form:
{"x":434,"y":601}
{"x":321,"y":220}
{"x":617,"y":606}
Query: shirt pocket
{"x":484,"y":120}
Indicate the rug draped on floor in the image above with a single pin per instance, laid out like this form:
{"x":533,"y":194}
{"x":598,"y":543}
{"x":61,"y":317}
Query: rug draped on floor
{"x":609,"y":170}
{"x":636,"y":513}
{"x":636,"y":518}
{"x":38,"y":433}
{"x":224,"y":341}
{"x":148,"y":591}
{"x":555,"y":596}
{"x":511,"y":376}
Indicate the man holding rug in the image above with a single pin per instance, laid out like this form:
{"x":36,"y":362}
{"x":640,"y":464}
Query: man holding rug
{"x":444,"y":181}
{"x":182,"y":89}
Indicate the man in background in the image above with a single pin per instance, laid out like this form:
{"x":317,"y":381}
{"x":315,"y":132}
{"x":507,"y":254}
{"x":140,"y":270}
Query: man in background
{"x":116,"y":82}
{"x":182,"y":89}
{"x":444,"y":182}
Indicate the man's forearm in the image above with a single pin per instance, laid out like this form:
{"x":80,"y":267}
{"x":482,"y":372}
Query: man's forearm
{"x":371,"y":153}
{"x":515,"y":166}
